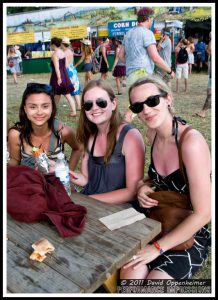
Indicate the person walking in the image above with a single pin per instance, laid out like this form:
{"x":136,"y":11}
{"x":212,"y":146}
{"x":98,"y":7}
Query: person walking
{"x":119,"y":68}
{"x":181,"y":52}
{"x":19,"y":58}
{"x":164,"y":47}
{"x":103,"y":58}
{"x":87,"y":52}
{"x":207,"y":103}
{"x":139,"y":49}
{"x":191,"y":58}
{"x":13,"y":63}
{"x":71,"y":70}
{"x":200,"y":53}
{"x":60,"y":80}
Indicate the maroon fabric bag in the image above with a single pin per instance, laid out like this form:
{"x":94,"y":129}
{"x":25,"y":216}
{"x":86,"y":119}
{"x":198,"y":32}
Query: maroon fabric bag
{"x":33,"y":197}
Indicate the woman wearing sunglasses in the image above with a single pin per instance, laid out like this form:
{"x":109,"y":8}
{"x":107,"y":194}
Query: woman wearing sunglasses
{"x":151,"y":98}
{"x":113,"y":159}
{"x":39,"y":127}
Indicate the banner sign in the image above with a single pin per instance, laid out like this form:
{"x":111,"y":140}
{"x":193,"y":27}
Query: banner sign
{"x":102,"y":32}
{"x":23,"y":37}
{"x":120,"y":28}
{"x":74,"y":33}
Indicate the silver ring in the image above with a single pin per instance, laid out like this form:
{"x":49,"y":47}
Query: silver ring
{"x":134,"y":257}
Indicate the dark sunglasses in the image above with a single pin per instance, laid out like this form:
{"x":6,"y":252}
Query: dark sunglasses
{"x":39,"y":87}
{"x":100,"y":102}
{"x":151,"y":101}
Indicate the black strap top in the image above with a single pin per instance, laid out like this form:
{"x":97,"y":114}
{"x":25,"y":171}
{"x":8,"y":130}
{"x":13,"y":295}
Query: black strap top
{"x":175,"y":181}
{"x":107,"y":177}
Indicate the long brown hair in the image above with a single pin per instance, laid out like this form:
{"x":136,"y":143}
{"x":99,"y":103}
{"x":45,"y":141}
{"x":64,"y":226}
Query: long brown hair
{"x":86,"y":128}
{"x":24,"y":125}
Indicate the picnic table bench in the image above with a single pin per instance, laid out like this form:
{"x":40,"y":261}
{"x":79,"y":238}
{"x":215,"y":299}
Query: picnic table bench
{"x":79,"y":264}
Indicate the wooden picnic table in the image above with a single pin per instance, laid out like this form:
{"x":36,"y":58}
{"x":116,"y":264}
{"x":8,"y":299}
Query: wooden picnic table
{"x":79,"y":264}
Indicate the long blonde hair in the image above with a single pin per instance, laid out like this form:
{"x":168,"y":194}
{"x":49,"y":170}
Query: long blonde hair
{"x":87,"y":49}
{"x":86,"y":128}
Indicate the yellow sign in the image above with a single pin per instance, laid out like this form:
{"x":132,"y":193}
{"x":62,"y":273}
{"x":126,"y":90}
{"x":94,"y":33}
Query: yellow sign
{"x":102,"y":32}
{"x":23,"y":37}
{"x":74,"y":33}
{"x":157,"y":36}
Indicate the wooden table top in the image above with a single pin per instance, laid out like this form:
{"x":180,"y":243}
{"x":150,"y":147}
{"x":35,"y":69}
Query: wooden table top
{"x":78,"y":264}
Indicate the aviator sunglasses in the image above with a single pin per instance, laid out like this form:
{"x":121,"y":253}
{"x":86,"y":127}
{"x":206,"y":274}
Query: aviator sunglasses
{"x":151,"y":101}
{"x":100,"y":103}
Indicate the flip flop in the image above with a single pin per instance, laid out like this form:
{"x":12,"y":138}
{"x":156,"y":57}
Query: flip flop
{"x":197,"y":114}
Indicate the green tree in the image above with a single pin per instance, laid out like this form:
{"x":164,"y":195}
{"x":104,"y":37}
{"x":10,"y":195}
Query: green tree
{"x":15,"y":10}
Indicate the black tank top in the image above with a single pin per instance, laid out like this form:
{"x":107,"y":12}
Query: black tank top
{"x":107,"y":177}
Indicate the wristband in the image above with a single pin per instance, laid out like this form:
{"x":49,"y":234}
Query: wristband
{"x":169,"y":73}
{"x":157,"y":246}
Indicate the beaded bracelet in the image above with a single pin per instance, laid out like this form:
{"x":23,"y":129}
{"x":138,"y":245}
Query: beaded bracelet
{"x":158,"y":247}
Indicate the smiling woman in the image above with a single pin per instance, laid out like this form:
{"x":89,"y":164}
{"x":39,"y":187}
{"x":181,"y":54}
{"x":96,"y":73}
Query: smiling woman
{"x":109,"y":171}
{"x":176,"y":150}
{"x":38,"y":127}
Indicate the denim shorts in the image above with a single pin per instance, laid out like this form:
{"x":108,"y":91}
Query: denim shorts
{"x":87,"y":67}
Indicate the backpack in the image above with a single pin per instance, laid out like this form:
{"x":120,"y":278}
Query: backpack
{"x":182,"y":56}
{"x":96,"y":65}
{"x":97,"y":52}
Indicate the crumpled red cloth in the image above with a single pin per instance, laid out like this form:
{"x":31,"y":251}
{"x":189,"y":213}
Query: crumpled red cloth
{"x":33,"y":197}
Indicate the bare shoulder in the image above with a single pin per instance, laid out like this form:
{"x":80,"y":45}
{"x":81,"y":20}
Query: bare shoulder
{"x":194,"y":142}
{"x":132,"y":136}
{"x":13,"y":134}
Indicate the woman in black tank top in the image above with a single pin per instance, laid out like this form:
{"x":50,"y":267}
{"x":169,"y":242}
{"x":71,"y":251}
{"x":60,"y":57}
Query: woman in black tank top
{"x":113,"y":158}
{"x":171,"y":138}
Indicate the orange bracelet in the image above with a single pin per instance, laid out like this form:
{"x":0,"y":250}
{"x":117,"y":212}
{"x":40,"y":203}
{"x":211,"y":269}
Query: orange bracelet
{"x":158,"y":247}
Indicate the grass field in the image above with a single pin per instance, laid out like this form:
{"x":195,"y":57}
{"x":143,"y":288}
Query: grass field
{"x":185,"y":106}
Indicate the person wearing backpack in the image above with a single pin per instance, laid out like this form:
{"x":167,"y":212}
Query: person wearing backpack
{"x":181,"y":53}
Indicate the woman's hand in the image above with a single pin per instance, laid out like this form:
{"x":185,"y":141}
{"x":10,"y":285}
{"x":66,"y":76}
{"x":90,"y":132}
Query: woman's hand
{"x":143,"y":257}
{"x":78,"y":178}
{"x":143,"y":198}
{"x":59,"y":81}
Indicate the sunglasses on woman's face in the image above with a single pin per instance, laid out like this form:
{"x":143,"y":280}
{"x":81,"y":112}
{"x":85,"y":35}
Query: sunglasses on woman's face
{"x":100,"y":103}
{"x":151,"y":101}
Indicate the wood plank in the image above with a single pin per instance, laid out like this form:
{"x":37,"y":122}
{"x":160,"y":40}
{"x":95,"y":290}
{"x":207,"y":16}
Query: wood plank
{"x":26,"y":276}
{"x":92,"y":246}
{"x":88,"y":259}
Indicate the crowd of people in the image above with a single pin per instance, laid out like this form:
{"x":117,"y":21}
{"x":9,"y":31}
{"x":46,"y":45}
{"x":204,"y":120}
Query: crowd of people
{"x":111,"y":150}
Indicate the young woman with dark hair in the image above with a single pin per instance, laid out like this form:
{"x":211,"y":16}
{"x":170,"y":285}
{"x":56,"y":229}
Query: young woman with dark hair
{"x":39,"y":127}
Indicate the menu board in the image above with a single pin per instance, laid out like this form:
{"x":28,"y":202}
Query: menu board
{"x":74,"y":33}
{"x":40,"y":54}
{"x":23,"y":37}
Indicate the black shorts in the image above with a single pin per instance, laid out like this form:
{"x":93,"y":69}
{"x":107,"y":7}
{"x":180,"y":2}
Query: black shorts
{"x":184,"y":264}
